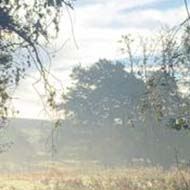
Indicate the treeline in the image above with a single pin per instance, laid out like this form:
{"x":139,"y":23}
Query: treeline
{"x":106,"y":94}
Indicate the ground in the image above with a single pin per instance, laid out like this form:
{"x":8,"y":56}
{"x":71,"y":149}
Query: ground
{"x":61,"y":177}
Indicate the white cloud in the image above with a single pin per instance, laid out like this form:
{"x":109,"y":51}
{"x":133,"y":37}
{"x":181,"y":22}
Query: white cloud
{"x":97,"y":25}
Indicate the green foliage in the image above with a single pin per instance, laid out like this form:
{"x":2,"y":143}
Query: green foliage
{"x":178,"y":124}
{"x":104,"y":94}
{"x":25,"y":27}
{"x":163,"y":97}
{"x":165,"y":70}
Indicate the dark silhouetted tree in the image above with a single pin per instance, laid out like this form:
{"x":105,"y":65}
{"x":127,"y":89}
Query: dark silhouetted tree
{"x":104,"y":94}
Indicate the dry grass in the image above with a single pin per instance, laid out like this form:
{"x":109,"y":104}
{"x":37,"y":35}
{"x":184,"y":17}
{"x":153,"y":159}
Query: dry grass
{"x":97,"y":178}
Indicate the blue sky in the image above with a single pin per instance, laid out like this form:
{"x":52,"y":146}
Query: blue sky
{"x":159,"y":4}
{"x":96,"y":27}
{"x":168,"y":4}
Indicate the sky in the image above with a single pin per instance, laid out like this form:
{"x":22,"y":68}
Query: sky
{"x":91,"y":31}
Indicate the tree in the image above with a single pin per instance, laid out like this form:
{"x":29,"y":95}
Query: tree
{"x":165,"y":71}
{"x":104,"y":94}
{"x":25,"y":26}
{"x":163,"y":100}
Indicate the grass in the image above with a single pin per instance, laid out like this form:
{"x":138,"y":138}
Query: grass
{"x":98,"y":178}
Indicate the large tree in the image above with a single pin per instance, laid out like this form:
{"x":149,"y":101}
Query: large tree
{"x":104,"y":94}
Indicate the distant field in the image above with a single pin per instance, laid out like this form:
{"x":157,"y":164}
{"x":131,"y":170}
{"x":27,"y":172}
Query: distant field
{"x":93,"y":159}
{"x":57,"y":177}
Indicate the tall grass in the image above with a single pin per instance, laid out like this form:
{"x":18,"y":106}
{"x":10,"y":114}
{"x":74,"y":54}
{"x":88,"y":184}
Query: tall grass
{"x":98,"y":178}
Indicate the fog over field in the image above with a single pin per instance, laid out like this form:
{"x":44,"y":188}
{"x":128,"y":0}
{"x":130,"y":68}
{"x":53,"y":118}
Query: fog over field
{"x":94,"y":95}
{"x":28,"y":143}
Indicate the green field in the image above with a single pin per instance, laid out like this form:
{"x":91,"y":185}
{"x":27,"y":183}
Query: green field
{"x":59,"y":177}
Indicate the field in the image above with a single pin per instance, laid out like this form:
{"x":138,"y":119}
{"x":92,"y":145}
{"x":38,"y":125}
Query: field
{"x":59,"y":177}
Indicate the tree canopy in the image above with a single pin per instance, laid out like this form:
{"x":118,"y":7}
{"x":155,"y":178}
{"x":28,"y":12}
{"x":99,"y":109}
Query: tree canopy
{"x":104,"y":94}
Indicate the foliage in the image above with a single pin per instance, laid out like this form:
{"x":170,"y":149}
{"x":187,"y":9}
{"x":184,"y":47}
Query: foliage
{"x":165,"y":70}
{"x":25,"y":26}
{"x":163,"y":97}
{"x":104,"y":94}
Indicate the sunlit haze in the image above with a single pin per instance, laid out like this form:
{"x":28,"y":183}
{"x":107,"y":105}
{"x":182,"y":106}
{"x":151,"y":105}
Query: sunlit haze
{"x":91,"y":31}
